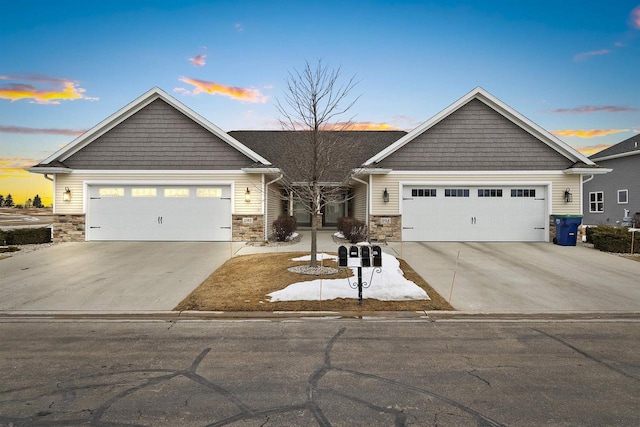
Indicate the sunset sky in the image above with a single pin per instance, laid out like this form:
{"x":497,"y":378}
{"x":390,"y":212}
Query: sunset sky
{"x":570,"y":66}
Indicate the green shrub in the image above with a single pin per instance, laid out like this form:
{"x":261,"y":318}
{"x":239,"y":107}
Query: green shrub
{"x":613,"y":239}
{"x":283,"y":227}
{"x":353,"y":229}
{"x":25,"y":236}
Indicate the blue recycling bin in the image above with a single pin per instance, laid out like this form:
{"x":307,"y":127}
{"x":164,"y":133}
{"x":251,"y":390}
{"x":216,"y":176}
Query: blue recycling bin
{"x":566,"y":229}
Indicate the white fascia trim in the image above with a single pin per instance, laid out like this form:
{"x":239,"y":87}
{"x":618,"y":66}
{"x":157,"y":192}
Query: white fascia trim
{"x":370,"y":171}
{"x":261,"y":170}
{"x":463,"y":173}
{"x":587,"y":171}
{"x":48,"y":170}
{"x":156,"y":172}
{"x":135,"y":106}
{"x":493,"y":102}
{"x":616,"y":156}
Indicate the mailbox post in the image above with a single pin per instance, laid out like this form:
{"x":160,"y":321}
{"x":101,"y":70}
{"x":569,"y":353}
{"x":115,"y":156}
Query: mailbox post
{"x":360,"y":257}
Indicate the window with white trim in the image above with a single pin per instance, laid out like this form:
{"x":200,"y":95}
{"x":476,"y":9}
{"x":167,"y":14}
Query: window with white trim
{"x":144,"y":192}
{"x":596,"y":202}
{"x":623,"y":197}
{"x":456,"y":192}
{"x":111,"y":192}
{"x":209,"y":192}
{"x":523,"y":192}
{"x":176,"y":192}
{"x":489,"y":192}
{"x":423,"y":192}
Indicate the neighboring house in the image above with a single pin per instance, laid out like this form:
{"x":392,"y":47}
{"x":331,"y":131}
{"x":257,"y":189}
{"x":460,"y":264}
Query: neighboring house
{"x":607,"y":197}
{"x":156,"y":170}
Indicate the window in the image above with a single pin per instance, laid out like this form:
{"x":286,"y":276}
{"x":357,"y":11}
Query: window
{"x":143,"y":192}
{"x":176,"y":192}
{"x":623,"y":197}
{"x":423,"y":192}
{"x":209,"y":192}
{"x":111,"y":192}
{"x":521,"y":192}
{"x":490,"y":192}
{"x":456,"y":192}
{"x":596,"y":202}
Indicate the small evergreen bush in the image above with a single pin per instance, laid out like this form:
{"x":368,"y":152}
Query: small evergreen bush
{"x":283,"y":227}
{"x":613,"y":239}
{"x":25,"y":236}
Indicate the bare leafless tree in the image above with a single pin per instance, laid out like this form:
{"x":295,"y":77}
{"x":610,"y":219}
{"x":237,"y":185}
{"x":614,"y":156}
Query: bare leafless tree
{"x":314,"y":99}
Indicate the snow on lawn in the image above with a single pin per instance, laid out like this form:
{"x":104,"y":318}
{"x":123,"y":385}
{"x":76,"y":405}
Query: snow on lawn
{"x":390,"y":285}
{"x":319,"y":257}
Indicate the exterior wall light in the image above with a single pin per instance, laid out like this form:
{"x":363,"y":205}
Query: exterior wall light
{"x":568,"y":197}
{"x":66,"y":196}
{"x":385,"y":196}
{"x":247,"y":196}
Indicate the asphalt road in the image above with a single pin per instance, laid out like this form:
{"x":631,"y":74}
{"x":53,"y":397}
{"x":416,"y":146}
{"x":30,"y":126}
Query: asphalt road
{"x":320,"y":372}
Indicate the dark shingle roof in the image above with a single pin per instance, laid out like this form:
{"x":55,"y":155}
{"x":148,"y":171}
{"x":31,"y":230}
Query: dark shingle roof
{"x":279,"y":147}
{"x":626,"y":146}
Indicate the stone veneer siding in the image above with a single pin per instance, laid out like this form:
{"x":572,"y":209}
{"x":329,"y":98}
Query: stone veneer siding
{"x":69,"y":228}
{"x":242,"y":232}
{"x":391,"y":232}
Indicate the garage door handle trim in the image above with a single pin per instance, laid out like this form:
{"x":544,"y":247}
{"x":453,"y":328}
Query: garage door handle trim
{"x":226,"y":227}
{"x":407,"y":228}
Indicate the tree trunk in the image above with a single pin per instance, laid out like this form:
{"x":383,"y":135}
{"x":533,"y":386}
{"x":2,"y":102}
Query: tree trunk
{"x":314,"y":225}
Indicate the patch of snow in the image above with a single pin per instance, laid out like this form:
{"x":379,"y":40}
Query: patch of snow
{"x":292,"y":236}
{"x":339,"y":235}
{"x":389,"y":285}
{"x":319,"y":257}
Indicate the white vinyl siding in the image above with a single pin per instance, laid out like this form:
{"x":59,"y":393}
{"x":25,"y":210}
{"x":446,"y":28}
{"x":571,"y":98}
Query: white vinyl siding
{"x":359,"y":205}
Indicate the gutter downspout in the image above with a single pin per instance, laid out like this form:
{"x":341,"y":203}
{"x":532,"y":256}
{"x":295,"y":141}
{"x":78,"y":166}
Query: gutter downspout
{"x":266,"y":203}
{"x":583,"y":182}
{"x":46,"y":176}
{"x":368,"y":198}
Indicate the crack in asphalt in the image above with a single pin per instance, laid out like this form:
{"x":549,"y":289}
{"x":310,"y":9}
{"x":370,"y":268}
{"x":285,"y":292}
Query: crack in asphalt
{"x":312,"y":403}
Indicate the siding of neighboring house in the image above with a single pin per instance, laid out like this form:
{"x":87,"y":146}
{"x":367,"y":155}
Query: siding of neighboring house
{"x":158,"y":137}
{"x":558,"y":181}
{"x":475,"y":137}
{"x":625,"y":176}
{"x":75,"y":182}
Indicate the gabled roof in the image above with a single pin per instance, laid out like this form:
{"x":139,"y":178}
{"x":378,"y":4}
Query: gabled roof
{"x":500,"y":107}
{"x":137,"y":105}
{"x":277,"y":146}
{"x":628,"y":147}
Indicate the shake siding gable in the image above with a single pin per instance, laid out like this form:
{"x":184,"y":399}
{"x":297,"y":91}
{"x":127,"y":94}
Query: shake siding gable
{"x":158,"y":137}
{"x":475,"y":137}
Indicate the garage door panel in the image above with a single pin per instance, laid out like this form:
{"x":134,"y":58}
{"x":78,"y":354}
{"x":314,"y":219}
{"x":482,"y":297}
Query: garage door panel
{"x":160,"y":213}
{"x":493,"y":213}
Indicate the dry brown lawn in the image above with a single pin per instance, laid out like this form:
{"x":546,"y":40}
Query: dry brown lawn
{"x":242,"y":284}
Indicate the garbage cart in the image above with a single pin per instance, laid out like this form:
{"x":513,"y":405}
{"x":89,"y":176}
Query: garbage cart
{"x":566,"y":229}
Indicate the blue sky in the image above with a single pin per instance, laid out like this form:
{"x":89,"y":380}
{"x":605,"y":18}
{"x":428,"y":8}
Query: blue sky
{"x":570,"y":66}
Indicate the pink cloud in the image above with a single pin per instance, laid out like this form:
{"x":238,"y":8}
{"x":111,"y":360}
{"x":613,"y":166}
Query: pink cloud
{"x":635,"y":17}
{"x":28,"y":130}
{"x":584,"y":55}
{"x":586,"y":133}
{"x":47,"y":90}
{"x":594,"y":109}
{"x":213,"y":88}
{"x":198,"y":60}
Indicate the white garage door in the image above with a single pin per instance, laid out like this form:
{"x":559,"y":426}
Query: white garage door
{"x":474,"y":214}
{"x":161,"y":213}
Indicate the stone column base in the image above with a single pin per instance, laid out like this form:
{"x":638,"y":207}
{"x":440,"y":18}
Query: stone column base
{"x":247,"y":228}
{"x":69,"y":228}
{"x":387,"y":228}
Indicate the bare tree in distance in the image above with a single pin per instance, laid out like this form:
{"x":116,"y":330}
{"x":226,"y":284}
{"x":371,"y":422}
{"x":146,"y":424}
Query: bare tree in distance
{"x":319,"y":172}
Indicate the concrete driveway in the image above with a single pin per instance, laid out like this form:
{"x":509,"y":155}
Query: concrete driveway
{"x":526,"y":277}
{"x":107,"y":276}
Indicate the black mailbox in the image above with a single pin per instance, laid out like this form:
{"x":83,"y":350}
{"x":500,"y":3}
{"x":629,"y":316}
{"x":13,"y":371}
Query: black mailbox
{"x":366,"y":256}
{"x":377,"y":256}
{"x":353,"y":252}
{"x":342,"y":256}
